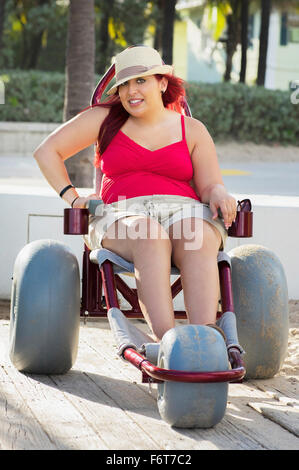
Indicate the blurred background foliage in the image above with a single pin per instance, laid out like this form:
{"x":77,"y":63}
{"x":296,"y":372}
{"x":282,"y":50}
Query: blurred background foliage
{"x":230,"y":111}
{"x":33,"y":48}
{"x":33,"y":33}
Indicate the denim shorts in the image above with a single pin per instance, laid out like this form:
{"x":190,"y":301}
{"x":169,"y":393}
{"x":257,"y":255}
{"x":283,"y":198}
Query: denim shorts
{"x":166,"y":209}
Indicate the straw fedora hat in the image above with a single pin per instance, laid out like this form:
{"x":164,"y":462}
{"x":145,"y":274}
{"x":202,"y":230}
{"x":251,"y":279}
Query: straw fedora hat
{"x":137,"y":61}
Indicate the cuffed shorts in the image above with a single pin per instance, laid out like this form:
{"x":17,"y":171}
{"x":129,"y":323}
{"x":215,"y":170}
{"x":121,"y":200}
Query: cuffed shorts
{"x":166,"y":209}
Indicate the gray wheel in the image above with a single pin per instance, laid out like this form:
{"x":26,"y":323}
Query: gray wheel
{"x":261,"y":306}
{"x":45,"y":308}
{"x":191,"y":405}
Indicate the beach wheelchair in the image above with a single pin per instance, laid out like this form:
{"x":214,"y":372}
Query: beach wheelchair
{"x":193,"y":364}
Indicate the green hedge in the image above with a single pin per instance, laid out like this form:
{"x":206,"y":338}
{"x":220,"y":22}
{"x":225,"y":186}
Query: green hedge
{"x":230,"y":111}
{"x":32,"y":96}
{"x":243,"y":113}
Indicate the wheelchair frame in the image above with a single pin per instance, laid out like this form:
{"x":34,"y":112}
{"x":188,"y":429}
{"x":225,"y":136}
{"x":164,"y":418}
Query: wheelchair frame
{"x":97,"y":279}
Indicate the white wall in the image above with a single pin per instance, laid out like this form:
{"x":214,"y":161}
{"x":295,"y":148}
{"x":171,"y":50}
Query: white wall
{"x":31,"y":213}
{"x":22,"y":138}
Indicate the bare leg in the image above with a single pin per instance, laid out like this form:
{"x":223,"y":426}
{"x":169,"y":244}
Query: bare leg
{"x":152,"y":260}
{"x":199,"y":270}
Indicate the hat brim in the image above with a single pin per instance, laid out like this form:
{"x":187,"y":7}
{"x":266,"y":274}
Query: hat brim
{"x":163,"y":70}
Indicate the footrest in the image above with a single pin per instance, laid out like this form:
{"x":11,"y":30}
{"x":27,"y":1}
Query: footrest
{"x":227,"y":322}
{"x":128,"y":335}
{"x":120,"y":264}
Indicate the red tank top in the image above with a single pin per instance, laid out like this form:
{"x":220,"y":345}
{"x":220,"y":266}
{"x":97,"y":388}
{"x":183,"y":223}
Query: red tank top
{"x":130,"y":170}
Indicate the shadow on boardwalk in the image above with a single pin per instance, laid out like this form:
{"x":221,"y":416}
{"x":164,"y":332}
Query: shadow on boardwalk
{"x":102,"y":404}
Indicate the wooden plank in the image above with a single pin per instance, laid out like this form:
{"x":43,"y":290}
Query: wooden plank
{"x":140,"y":405}
{"x":282,"y":388}
{"x":101,"y":412}
{"x":120,"y":380}
{"x":62,"y":423}
{"x":270,"y":434}
{"x":102,"y":404}
{"x":282,"y":405}
{"x":64,"y":426}
{"x":237,"y":430}
{"x":18,"y":428}
{"x":138,"y":402}
{"x":280,"y":414}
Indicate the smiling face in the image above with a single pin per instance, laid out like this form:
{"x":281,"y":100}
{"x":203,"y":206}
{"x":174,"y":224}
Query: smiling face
{"x":142,"y":94}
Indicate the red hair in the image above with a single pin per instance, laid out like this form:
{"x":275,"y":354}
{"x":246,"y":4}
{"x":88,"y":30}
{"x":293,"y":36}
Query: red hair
{"x":172,"y":98}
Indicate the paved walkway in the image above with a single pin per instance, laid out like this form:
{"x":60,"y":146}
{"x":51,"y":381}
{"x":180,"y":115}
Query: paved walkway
{"x":246,"y":168}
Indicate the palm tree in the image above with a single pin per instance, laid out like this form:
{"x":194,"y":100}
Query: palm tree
{"x":157,"y":7}
{"x":227,"y":17}
{"x":244,"y":39}
{"x":233,"y":35}
{"x":80,"y":59}
{"x":167,"y":30}
{"x":164,"y":25}
{"x":105,"y":44}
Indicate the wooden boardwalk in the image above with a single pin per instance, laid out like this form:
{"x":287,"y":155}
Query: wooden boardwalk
{"x":101,"y":404}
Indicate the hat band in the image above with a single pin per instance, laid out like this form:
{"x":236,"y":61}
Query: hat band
{"x":134,"y":70}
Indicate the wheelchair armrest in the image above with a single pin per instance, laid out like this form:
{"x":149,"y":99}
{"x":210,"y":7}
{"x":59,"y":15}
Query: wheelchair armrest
{"x":242,"y":227}
{"x":76,"y":220}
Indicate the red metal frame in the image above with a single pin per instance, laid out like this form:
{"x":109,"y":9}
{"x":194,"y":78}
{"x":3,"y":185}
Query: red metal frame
{"x":235,"y":374}
{"x":97,"y":279}
{"x":100,"y":287}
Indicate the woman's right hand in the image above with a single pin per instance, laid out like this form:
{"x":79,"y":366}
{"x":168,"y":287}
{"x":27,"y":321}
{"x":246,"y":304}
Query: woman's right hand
{"x":82,"y":201}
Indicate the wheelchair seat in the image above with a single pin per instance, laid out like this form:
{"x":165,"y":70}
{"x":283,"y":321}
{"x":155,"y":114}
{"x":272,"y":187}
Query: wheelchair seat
{"x":121,"y":265}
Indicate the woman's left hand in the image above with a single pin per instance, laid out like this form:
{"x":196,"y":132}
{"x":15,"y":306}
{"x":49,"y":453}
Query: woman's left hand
{"x":220,"y":199}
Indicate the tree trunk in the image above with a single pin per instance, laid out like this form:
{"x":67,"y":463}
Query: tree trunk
{"x":244,"y":39}
{"x":35,"y":43}
{"x":231,"y":45}
{"x":104,"y":40}
{"x":80,"y":58}
{"x":265,"y":20}
{"x":167,"y":30}
{"x":2,"y":17}
{"x":35,"y":46}
{"x":158,"y":29}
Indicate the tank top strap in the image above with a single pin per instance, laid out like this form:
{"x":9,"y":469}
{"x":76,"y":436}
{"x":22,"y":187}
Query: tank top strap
{"x":183,"y":126}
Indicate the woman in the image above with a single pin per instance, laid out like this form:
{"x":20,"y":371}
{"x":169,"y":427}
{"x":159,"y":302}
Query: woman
{"x":162,"y":186}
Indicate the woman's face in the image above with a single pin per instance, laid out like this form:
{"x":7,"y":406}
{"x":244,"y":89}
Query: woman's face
{"x":142,"y":94}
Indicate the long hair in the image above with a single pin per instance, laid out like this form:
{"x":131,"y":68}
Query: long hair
{"x":172,"y":98}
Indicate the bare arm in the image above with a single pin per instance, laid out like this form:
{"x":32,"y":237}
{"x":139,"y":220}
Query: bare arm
{"x":207,"y":174}
{"x":75,"y":135}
